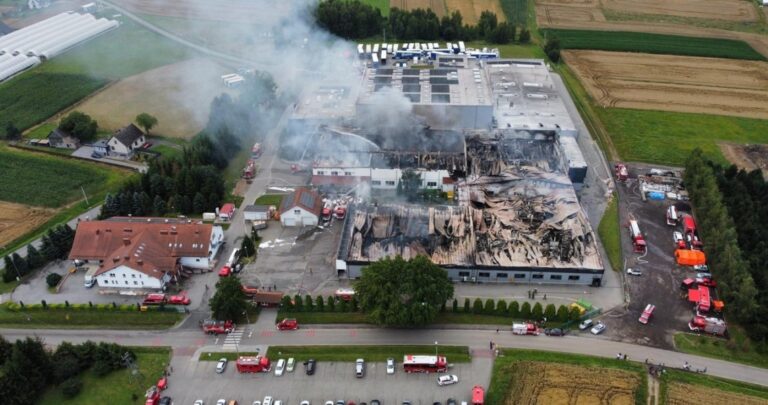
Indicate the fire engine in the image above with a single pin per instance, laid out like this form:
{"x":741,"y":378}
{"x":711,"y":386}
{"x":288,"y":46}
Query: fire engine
{"x":288,"y":324}
{"x":478,"y":395}
{"x":213,"y":327}
{"x":525,"y":329}
{"x":715,"y":326}
{"x":637,"y":237}
{"x":690,"y":232}
{"x":253,"y":364}
{"x":249,"y":172}
{"x":154,"y":299}
{"x":413,"y":363}
{"x":647,"y":313}
{"x":345,"y":294}
{"x":340,"y":212}
{"x":621,"y":172}
{"x":256,"y":151}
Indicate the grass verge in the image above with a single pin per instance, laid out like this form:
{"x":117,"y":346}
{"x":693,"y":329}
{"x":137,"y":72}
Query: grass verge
{"x":738,"y":348}
{"x":215,"y":356}
{"x":87,"y":319}
{"x":502,"y":377}
{"x":269,"y":199}
{"x":118,"y":387}
{"x":455,"y":354}
{"x":654,"y":43}
{"x":610,"y":233}
{"x":458,"y":318}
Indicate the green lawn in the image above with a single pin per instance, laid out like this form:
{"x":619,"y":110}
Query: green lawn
{"x":502,"y":378}
{"x":737,"y":349}
{"x":455,"y":354}
{"x":324,"y":317}
{"x":669,"y":137}
{"x":87,"y":319}
{"x":30,"y":178}
{"x":610,"y":233}
{"x":215,"y":356}
{"x":167,"y":151}
{"x":269,"y":199}
{"x":118,"y":387}
{"x":653,"y":43}
{"x":41,"y":131}
{"x":382,"y":5}
{"x":459,"y":318}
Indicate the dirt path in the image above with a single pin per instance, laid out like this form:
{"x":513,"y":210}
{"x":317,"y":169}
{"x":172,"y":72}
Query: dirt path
{"x":653,"y":390}
{"x":747,"y":157}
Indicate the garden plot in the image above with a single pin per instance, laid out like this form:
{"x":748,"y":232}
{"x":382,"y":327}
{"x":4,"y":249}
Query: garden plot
{"x":673,"y":83}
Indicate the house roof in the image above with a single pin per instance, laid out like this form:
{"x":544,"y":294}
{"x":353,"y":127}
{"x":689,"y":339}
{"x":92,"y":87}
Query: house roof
{"x":59,"y":133}
{"x":303,"y":198}
{"x":227,"y":208}
{"x":256,"y":208}
{"x":152,"y":248}
{"x":128,"y":134}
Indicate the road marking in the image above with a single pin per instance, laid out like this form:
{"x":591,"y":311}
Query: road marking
{"x":353,"y":333}
{"x":267,"y":333}
{"x":233,"y":339}
{"x":310,"y":333}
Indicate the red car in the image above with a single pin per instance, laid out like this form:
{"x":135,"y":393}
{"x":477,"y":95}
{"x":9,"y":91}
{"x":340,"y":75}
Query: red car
{"x":706,"y":281}
{"x":178,"y":300}
{"x":288,"y":324}
{"x":225,"y":271}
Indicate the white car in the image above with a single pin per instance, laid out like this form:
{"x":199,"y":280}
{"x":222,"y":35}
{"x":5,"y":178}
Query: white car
{"x":221,"y":402}
{"x":280,"y":368}
{"x":291,"y":364}
{"x":633,"y":272}
{"x":256,"y":403}
{"x":221,"y":365}
{"x":278,"y":402}
{"x":447,"y":379}
{"x":359,"y":368}
{"x":304,"y":403}
{"x":328,"y":402}
{"x":704,"y":275}
{"x":598,"y":328}
{"x":199,"y":402}
{"x":585,"y":324}
{"x":267,"y":401}
{"x":390,"y":366}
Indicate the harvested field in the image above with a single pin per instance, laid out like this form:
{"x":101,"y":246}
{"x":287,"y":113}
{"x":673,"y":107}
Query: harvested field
{"x":179,"y":95}
{"x":556,"y":15}
{"x":680,"y":394}
{"x":471,"y":10}
{"x":552,"y":383}
{"x":732,"y":10}
{"x":747,"y":157}
{"x":438,"y":6}
{"x":17,"y":219}
{"x":673,"y":83}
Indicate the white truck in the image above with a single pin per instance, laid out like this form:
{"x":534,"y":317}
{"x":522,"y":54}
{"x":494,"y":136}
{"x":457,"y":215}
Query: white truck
{"x":90,"y":277}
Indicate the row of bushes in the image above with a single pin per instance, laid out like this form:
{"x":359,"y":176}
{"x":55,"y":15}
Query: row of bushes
{"x":513,"y":309}
{"x":113,"y":307}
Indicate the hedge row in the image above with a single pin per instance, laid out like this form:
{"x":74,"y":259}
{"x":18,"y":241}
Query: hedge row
{"x":113,"y":307}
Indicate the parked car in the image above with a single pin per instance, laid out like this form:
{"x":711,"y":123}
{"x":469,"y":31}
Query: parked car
{"x":633,"y":272}
{"x":200,"y":402}
{"x":305,"y":402}
{"x":554,"y":332}
{"x":280,"y":368}
{"x":374,"y":402}
{"x":598,"y":328}
{"x":221,"y":365}
{"x":225,"y":271}
{"x":390,"y":366}
{"x":221,"y":402}
{"x":585,"y":324}
{"x":96,"y":155}
{"x":310,"y":366}
{"x":447,"y":379}
{"x":703,"y":275}
{"x":290,"y":365}
{"x":165,"y":401}
{"x":267,"y":401}
{"x":278,"y":402}
{"x":359,"y":368}
{"x":340,"y":402}
{"x":328,"y":402}
{"x":178,"y":300}
{"x":450,"y":401}
{"x":703,"y":268}
{"x":257,"y":402}
{"x":679,"y":240}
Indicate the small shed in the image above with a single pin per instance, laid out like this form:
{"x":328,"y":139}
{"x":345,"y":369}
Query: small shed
{"x":256,"y":212}
{"x":267,"y":298}
{"x":227,"y":211}
{"x":62,"y":139}
{"x":301,"y":208}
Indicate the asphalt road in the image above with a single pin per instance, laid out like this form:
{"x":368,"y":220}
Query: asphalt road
{"x":190,"y":341}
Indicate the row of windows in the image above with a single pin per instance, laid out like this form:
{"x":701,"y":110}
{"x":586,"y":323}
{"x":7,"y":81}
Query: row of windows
{"x":333,"y":173}
{"x":484,"y":274}
{"x":378,"y":182}
{"x":107,"y":282}
{"x":124,"y":276}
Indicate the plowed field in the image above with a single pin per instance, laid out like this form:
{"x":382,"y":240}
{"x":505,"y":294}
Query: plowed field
{"x":17,"y":219}
{"x":563,"y":384}
{"x":683,"y":394}
{"x":673,"y":83}
{"x":732,"y":10}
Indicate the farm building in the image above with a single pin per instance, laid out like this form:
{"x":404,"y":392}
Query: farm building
{"x":301,"y":208}
{"x":144,"y":253}
{"x":256,"y":212}
{"x":125,"y":140}
{"x":226,"y":212}
{"x":27,"y":47}
{"x":61,"y":139}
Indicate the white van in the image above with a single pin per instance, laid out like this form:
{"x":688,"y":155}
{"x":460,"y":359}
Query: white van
{"x":280,"y":369}
{"x":90,"y":278}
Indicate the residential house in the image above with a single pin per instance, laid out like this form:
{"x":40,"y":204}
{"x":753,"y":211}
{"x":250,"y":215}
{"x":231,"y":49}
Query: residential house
{"x":256,"y":213}
{"x":144,"y":253}
{"x":301,"y":208}
{"x":62,"y":139}
{"x":124,"y":141}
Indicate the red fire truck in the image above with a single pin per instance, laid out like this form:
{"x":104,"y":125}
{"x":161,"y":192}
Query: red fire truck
{"x":256,"y":151}
{"x":253,"y":364}
{"x":478,"y":395}
{"x":154,"y":299}
{"x":647,"y":313}
{"x":621,"y":172}
{"x":213,"y":327}
{"x":637,"y":237}
{"x":414,"y":363}
{"x":715,"y":326}
{"x":288,"y":324}
{"x":525,"y":329}
{"x":690,"y":232}
{"x":345,"y":294}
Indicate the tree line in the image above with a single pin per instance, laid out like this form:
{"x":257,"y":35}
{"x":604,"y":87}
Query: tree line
{"x":56,"y":244}
{"x":722,"y":241}
{"x":28,"y":369}
{"x":355,"y":20}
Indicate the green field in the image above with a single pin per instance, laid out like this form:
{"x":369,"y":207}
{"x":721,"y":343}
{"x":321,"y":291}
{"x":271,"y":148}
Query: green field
{"x":382,"y":5}
{"x":610,"y":235}
{"x":36,"y":95}
{"x":117,"y":387}
{"x":31,"y":178}
{"x":653,"y":43}
{"x":269,"y":199}
{"x":669,"y":137}
{"x":87,"y":319}
{"x":455,"y":354}
{"x":515,"y":11}
{"x":737,"y":349}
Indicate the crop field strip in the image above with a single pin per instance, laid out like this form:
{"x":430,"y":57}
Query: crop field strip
{"x":681,"y":394}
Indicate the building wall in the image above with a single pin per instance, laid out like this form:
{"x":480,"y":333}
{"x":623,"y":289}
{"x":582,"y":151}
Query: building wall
{"x":217,"y":240}
{"x":195,"y":262}
{"x":116,"y":147}
{"x":127,"y":278}
{"x":298,"y":216}
{"x":256,"y":215}
{"x":342,"y":171}
{"x":387,"y":179}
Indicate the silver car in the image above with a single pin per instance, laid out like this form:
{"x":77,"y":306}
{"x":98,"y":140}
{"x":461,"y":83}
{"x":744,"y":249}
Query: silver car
{"x":221,"y":365}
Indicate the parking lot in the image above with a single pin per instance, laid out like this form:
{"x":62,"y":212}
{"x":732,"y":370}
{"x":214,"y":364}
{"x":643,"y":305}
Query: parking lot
{"x":332,"y":381}
{"x":660,"y":281}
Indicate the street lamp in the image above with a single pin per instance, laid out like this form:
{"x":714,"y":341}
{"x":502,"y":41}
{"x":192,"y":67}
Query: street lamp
{"x":435,"y":348}
{"x":246,"y":316}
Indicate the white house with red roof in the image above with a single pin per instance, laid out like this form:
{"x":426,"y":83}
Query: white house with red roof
{"x":301,"y":208}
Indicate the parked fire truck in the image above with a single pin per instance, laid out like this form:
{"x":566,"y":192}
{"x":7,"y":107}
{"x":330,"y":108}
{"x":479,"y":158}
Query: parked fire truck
{"x":690,"y":232}
{"x":253,"y":364}
{"x":345,"y":294}
{"x":525,"y":329}
{"x":647,"y":313}
{"x":249,"y":172}
{"x":256,"y":151}
{"x":622,"y":174}
{"x":637,"y":237}
{"x":340,"y":212}
{"x":288,"y":324}
{"x":414,"y":363}
{"x":214,"y":327}
{"x":715,"y":326}
{"x":154,"y":299}
{"x":478,"y":395}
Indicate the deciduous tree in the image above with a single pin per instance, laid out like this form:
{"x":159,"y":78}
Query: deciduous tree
{"x":229,"y":301}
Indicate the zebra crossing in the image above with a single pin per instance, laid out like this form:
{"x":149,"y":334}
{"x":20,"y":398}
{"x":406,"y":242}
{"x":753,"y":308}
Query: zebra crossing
{"x":233,"y":339}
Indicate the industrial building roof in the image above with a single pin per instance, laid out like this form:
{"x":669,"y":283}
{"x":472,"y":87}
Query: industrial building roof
{"x":326,"y":103}
{"x":525,"y":97}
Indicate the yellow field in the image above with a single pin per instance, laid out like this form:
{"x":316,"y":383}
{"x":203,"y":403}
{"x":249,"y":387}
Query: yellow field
{"x":683,"y":394}
{"x":17,"y":219}
{"x":564,"y":384}
{"x":470,"y":9}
